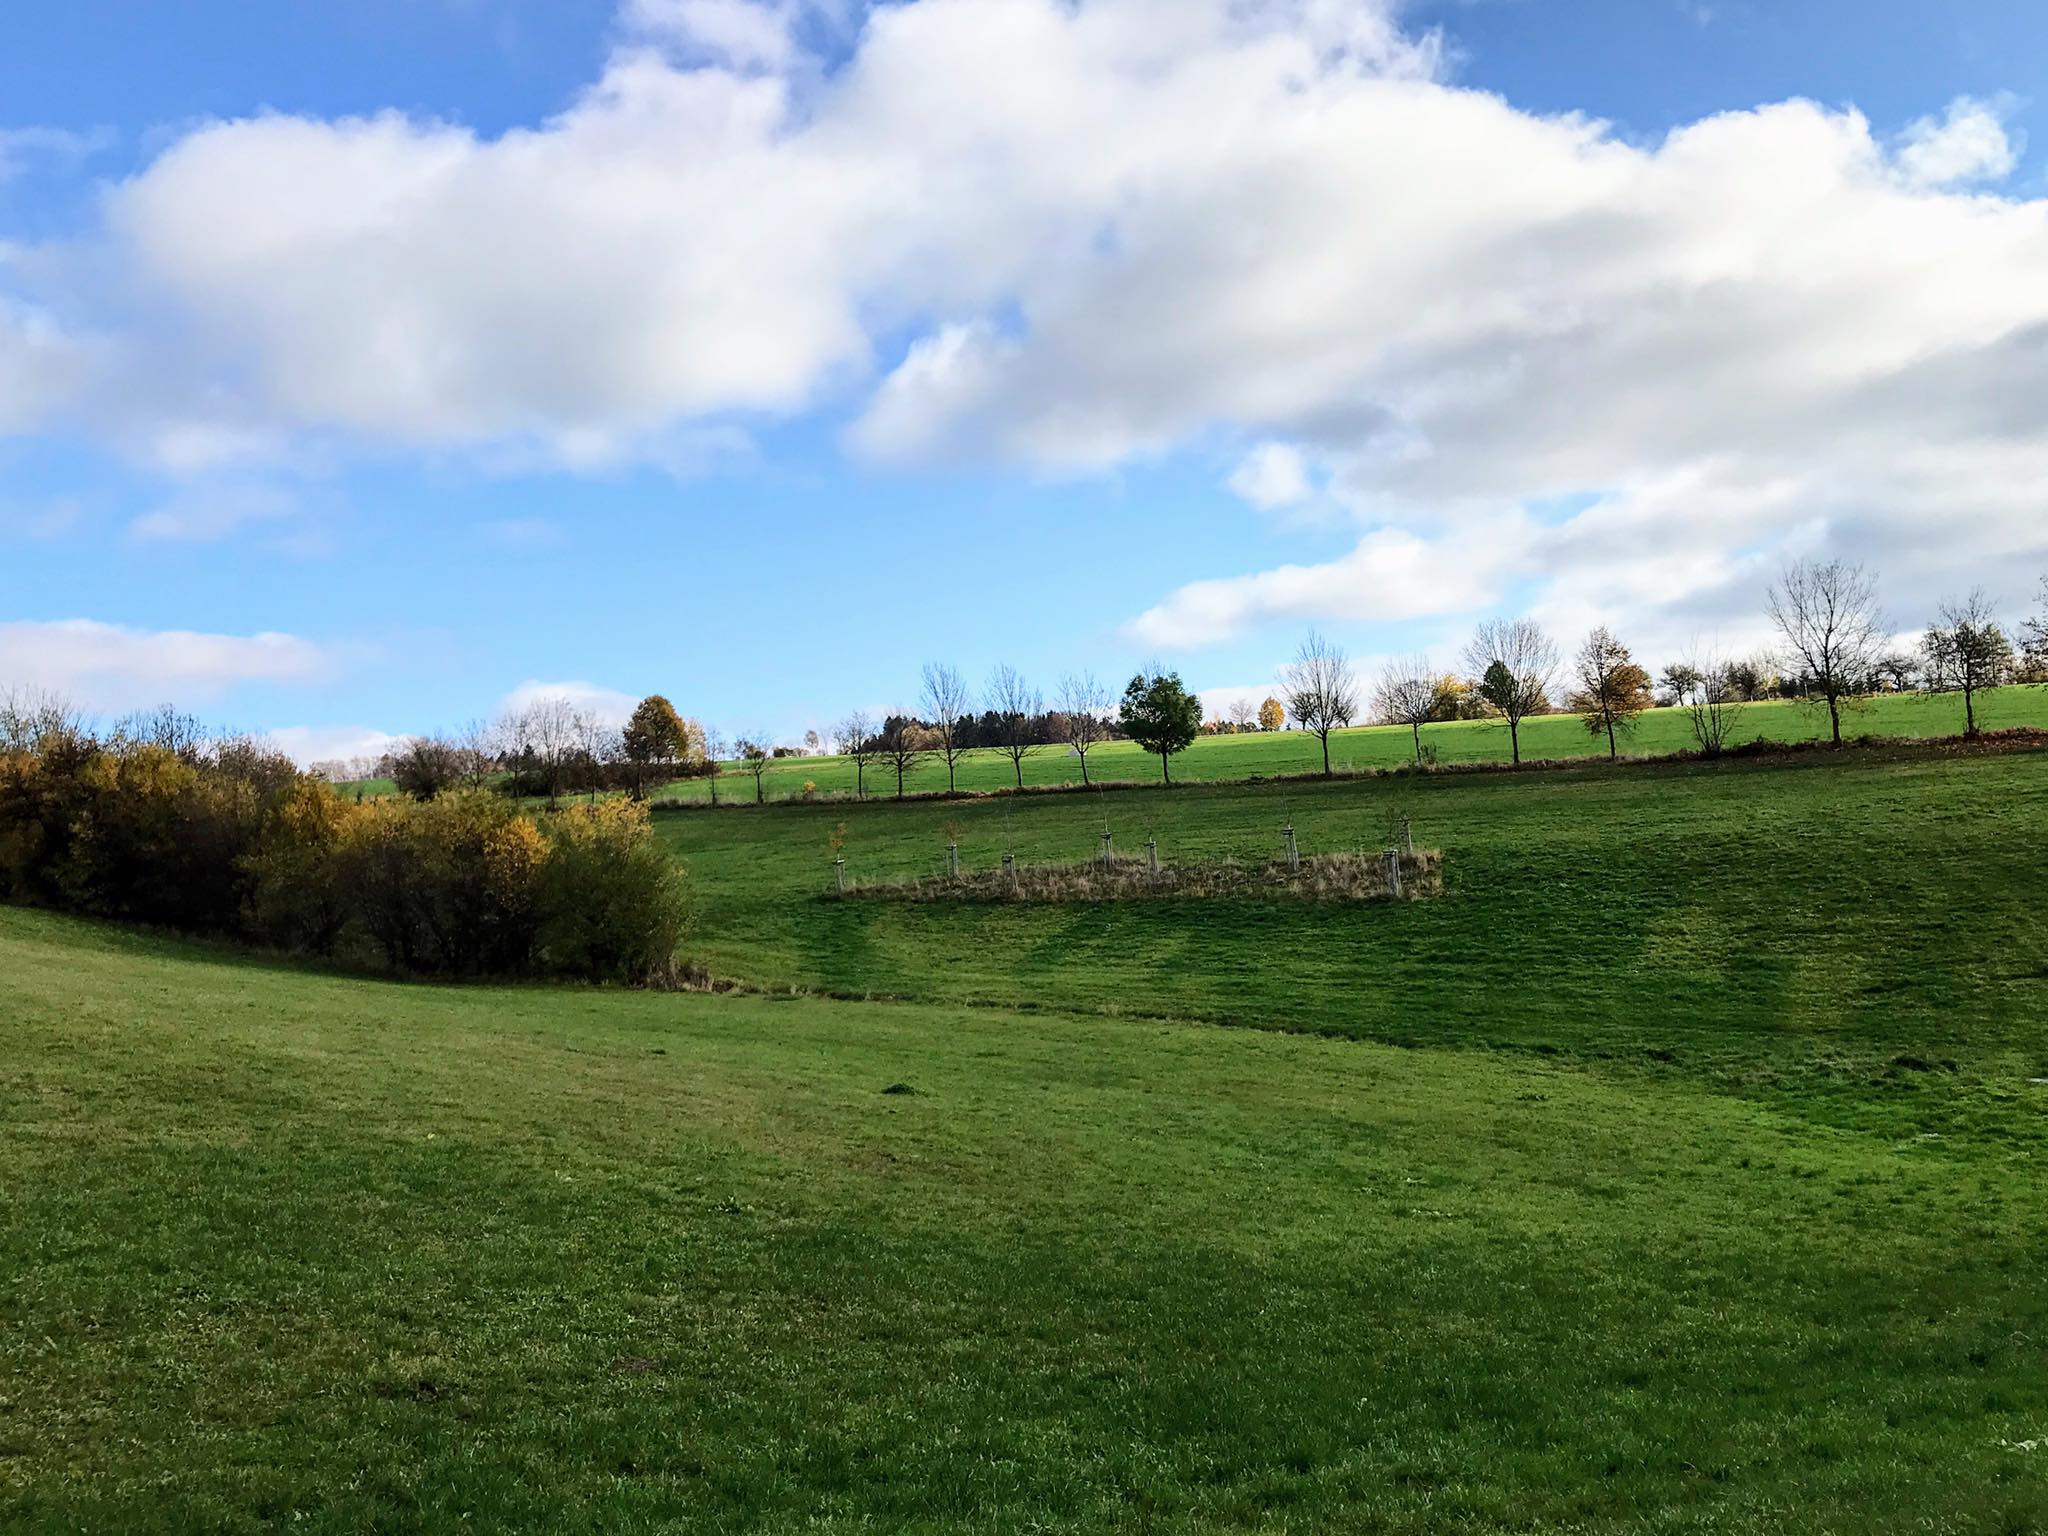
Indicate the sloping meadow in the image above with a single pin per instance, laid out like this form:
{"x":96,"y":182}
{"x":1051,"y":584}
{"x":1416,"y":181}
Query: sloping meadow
{"x":1822,"y":917}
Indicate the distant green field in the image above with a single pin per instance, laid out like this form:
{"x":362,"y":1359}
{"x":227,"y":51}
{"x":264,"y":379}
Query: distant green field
{"x":284,"y":1250}
{"x":1218,"y":758}
{"x":1812,"y":916}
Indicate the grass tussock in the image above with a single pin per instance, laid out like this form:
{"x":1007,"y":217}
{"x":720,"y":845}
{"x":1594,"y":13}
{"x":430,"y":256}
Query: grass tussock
{"x":1317,"y":877}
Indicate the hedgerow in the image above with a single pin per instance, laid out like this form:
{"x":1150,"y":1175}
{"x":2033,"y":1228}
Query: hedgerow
{"x":230,"y":839}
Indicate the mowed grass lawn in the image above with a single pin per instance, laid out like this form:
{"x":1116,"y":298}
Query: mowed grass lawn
{"x":1659,"y":732}
{"x":1803,"y":921}
{"x":287,"y":1250}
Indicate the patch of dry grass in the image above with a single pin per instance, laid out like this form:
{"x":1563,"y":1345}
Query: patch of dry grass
{"x":1317,"y":877}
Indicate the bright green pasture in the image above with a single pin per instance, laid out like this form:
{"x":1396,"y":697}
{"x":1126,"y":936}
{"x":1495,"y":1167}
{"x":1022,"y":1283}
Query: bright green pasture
{"x":283,"y":1250}
{"x":1217,"y":758}
{"x":1816,"y":917}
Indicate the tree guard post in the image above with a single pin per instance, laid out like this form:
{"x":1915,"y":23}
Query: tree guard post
{"x":839,"y":874}
{"x":1293,"y":853}
{"x":1152,"y":856}
{"x":1107,"y":855}
{"x":952,"y":861}
{"x":1394,"y":872}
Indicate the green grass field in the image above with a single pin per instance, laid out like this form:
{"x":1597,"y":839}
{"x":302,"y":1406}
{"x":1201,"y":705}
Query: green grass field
{"x":1819,"y":915}
{"x":1222,"y":758}
{"x":287,"y":1250}
{"x":1678,"y":1170}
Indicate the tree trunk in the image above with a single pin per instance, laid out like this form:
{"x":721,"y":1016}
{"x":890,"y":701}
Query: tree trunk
{"x":1515,"y":741}
{"x":1084,"y":770}
{"x":1969,"y":710}
{"x":1018,"y":764}
{"x":1165,"y":768}
{"x":1415,"y":726}
{"x":1612,"y":751}
{"x":1835,"y":718}
{"x":950,"y":788}
{"x":1326,"y":754}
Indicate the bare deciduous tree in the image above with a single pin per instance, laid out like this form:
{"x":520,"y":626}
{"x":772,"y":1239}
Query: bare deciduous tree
{"x":1965,"y":651}
{"x":1242,"y":714}
{"x":595,"y":752}
{"x":755,"y":756}
{"x":1017,"y":707}
{"x":1827,"y":612}
{"x":1612,"y":690}
{"x":165,"y":727}
{"x":715,"y":749}
{"x":476,"y":754}
{"x":902,"y":745}
{"x":1084,"y":703}
{"x":946,"y":699}
{"x":1410,"y":693}
{"x":544,"y":734}
{"x":1709,"y":691}
{"x":1322,"y":691}
{"x":2034,"y":639}
{"x":28,"y":715}
{"x":1512,"y":662}
{"x":855,"y":735}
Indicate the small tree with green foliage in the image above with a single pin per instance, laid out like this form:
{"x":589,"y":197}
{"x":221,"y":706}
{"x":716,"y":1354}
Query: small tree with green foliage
{"x":1160,"y":715}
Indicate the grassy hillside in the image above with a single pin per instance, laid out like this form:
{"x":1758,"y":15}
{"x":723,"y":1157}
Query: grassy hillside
{"x":1215,"y":758}
{"x":284,"y":1249}
{"x":1817,"y":917}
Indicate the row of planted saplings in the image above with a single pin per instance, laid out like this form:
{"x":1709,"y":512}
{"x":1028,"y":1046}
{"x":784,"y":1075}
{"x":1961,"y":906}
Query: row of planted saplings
{"x":1106,"y":863}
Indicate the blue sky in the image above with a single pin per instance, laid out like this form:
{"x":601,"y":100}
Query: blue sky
{"x":729,"y":349}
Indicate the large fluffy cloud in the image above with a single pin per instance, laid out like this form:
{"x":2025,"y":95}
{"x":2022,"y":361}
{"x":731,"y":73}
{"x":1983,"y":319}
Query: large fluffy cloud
{"x":1070,"y":233}
{"x":111,"y":667}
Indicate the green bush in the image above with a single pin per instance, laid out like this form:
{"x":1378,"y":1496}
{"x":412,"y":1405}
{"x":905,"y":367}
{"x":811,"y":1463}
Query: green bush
{"x":613,"y":903}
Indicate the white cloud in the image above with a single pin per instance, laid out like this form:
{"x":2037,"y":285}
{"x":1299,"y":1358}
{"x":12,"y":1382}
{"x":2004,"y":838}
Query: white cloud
{"x":201,"y":514}
{"x":1968,"y":143}
{"x":741,"y":34}
{"x":112,"y":667}
{"x":40,"y":520}
{"x":42,"y":365}
{"x":23,"y":149}
{"x":1092,"y":231}
{"x":608,"y":706}
{"x":1273,"y":476}
{"x":1391,"y":575}
{"x":308,"y":744}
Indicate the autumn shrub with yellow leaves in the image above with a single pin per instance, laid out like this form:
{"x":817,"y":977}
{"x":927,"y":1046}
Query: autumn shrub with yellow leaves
{"x":467,"y":884}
